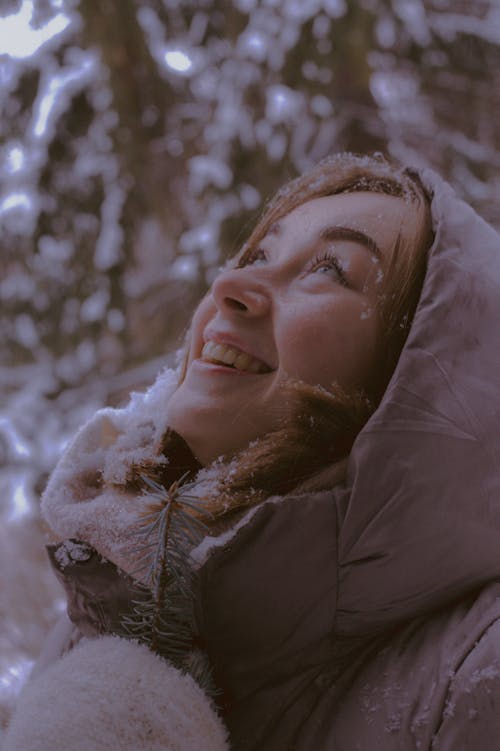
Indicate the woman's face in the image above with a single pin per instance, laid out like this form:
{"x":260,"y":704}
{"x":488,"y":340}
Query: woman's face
{"x":302,"y":306}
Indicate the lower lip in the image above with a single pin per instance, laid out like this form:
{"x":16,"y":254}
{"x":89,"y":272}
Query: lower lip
{"x":214,"y":368}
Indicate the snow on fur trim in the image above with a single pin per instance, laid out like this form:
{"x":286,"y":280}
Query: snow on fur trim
{"x":109,"y":694}
{"x":83,"y":498}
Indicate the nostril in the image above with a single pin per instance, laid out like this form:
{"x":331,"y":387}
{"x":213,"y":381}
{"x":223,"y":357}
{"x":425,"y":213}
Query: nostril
{"x":235,"y":304}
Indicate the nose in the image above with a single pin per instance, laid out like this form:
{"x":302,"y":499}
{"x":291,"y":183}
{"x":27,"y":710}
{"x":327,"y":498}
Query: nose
{"x":240,"y":291}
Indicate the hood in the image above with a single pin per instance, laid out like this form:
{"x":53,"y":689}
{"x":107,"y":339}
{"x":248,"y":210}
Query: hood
{"x":419,"y":513}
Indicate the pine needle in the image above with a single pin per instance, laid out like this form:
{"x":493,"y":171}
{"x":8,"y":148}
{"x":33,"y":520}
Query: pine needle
{"x":172,"y":524}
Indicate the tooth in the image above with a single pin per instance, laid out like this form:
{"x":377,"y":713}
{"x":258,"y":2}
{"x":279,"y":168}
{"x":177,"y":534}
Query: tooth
{"x":210,"y":348}
{"x":242,"y":361}
{"x":217,"y":351}
{"x":232,"y":356}
{"x":229,"y":356}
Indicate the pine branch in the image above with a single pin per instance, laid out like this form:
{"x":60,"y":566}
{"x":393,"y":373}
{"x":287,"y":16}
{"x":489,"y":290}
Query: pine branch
{"x":172,"y":524}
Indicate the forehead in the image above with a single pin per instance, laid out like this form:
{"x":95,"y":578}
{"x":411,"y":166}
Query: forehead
{"x":378,"y":216}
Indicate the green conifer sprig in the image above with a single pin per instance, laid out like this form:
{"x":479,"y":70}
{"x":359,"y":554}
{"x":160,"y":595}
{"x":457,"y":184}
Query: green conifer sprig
{"x":172,"y":525}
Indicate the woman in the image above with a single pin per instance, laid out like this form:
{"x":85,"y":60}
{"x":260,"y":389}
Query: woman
{"x":306,"y":516}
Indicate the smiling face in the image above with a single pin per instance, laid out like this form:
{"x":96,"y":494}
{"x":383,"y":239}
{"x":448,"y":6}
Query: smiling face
{"x":303,"y":305}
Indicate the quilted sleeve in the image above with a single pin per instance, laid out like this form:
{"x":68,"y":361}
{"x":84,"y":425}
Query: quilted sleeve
{"x":99,"y":593}
{"x":471,"y":717}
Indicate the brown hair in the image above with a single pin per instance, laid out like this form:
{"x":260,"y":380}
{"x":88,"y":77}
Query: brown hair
{"x":322,"y":427}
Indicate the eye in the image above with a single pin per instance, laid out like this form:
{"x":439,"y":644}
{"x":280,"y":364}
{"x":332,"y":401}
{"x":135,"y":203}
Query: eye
{"x":326,"y":263}
{"x":251,"y":256}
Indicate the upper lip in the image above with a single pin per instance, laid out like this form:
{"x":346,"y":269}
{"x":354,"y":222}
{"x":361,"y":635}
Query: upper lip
{"x":220,"y":337}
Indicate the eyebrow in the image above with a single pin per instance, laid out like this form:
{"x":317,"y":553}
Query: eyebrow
{"x":339,"y":232}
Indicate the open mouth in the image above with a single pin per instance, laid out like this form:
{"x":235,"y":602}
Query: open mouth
{"x":231,"y":357}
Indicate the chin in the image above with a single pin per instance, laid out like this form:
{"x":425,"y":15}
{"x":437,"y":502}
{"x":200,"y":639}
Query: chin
{"x":194,"y":425}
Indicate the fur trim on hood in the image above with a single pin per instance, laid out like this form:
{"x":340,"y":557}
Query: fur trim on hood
{"x":86,"y":496}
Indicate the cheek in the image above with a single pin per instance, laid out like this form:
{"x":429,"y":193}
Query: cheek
{"x":332,"y":344}
{"x":202,"y":315}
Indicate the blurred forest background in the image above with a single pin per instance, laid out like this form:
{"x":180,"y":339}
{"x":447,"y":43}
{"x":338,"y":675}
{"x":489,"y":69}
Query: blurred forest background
{"x":139,"y":141}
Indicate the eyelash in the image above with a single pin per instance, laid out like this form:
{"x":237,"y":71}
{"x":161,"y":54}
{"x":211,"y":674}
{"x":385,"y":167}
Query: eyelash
{"x":332,"y":261}
{"x":252,"y":255}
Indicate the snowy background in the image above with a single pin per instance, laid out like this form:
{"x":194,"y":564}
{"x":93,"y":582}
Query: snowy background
{"x":139,"y":140}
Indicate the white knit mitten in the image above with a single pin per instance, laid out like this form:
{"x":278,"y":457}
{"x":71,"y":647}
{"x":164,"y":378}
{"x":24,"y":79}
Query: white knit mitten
{"x":111,"y":694}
